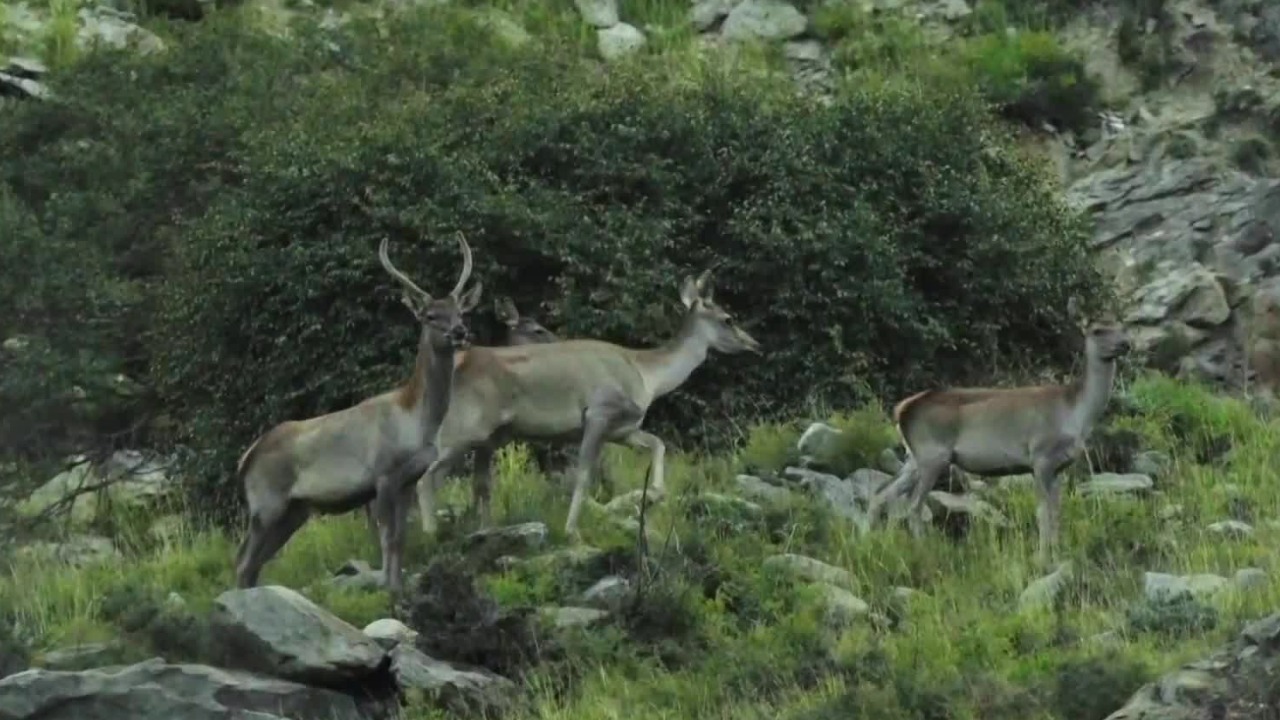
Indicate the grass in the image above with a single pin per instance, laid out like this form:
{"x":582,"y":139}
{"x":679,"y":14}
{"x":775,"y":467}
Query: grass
{"x":754,"y":645}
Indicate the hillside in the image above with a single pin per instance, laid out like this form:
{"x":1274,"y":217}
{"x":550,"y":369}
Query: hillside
{"x":895,"y":195}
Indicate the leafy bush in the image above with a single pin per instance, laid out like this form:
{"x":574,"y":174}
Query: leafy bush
{"x":874,"y":245}
{"x":1094,"y":687}
{"x":1033,"y":79}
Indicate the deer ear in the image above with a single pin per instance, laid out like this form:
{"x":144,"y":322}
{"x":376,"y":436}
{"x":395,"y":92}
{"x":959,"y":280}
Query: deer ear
{"x":471,"y":298}
{"x":689,"y":292}
{"x":505,"y":310}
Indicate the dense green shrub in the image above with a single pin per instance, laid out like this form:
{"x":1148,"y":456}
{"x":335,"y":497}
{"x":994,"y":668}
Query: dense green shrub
{"x":1033,"y":79}
{"x":891,"y":239}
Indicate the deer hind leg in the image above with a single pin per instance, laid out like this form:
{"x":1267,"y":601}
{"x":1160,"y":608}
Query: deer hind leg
{"x":482,"y":482}
{"x":902,"y":483}
{"x":609,"y":414}
{"x":640,"y":438}
{"x":267,"y":534}
{"x":430,"y":481}
{"x":929,"y":470}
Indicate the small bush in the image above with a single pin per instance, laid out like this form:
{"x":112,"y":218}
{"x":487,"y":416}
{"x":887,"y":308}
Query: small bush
{"x":865,"y":433}
{"x":1094,"y":687}
{"x":1175,"y":617}
{"x":1252,"y":154}
{"x":770,"y":447}
{"x":1032,"y":79}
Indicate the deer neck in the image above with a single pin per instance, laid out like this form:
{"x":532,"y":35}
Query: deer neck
{"x":1092,"y":396}
{"x":667,"y":366}
{"x":427,"y":393}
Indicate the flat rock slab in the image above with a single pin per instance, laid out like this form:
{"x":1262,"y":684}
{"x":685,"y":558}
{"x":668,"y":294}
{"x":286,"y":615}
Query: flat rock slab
{"x":462,"y":689}
{"x":156,"y":689}
{"x":278,"y":631}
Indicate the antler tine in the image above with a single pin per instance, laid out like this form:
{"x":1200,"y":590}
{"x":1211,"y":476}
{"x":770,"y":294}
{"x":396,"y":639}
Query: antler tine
{"x":395,"y":273}
{"x":466,"y":266}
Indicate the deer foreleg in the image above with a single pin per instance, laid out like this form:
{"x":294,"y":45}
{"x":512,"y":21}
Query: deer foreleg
{"x":896,"y":488}
{"x":657,"y":450}
{"x":428,"y":483}
{"x":1048,"y":462}
{"x":482,"y":482}
{"x":929,"y":471}
{"x":610,"y":414}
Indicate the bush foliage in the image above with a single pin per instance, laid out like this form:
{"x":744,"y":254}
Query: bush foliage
{"x":231,"y":195}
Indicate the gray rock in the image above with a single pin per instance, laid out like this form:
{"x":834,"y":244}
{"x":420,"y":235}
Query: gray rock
{"x":277,"y":631}
{"x":463,"y":690}
{"x":80,"y":657}
{"x":357,"y":575}
{"x":509,"y":540}
{"x":1161,"y":586}
{"x":1042,"y":592}
{"x":840,"y":495}
{"x":31,"y":69}
{"x":706,"y":13}
{"x":608,"y":593}
{"x":889,"y":461}
{"x":1188,"y":292}
{"x":598,"y":13}
{"x":1151,"y":463}
{"x":1115,"y":484}
{"x":945,"y":503}
{"x":721,"y":504}
{"x":1231,"y":528}
{"x":117,"y":29}
{"x":24,"y":88}
{"x":802,"y":567}
{"x":389,"y":632}
{"x":156,"y":689}
{"x":764,"y":20}
{"x":1250,"y":578}
{"x":74,"y":551}
{"x":761,"y":491}
{"x":867,"y":482}
{"x":841,"y":608}
{"x":818,"y":440}
{"x":619,"y":41}
{"x":564,"y":617}
{"x":128,"y":478}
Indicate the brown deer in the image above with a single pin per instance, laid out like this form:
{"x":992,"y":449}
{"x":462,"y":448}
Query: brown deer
{"x":589,"y":389}
{"x":1263,"y":352}
{"x":519,"y":330}
{"x":372,"y":451}
{"x":1005,"y":431}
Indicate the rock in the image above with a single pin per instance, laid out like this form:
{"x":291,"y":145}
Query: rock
{"x":1042,"y":592}
{"x":806,"y":568}
{"x":1161,"y":586}
{"x":357,"y":575}
{"x":22,"y":88}
{"x":841,"y":607}
{"x":608,"y":593}
{"x":764,"y":20}
{"x":1250,"y":578}
{"x":867,"y":482}
{"x":75,"y":551}
{"x":598,"y":13}
{"x":1114,"y":484}
{"x":840,"y":495}
{"x":1231,"y":528}
{"x":1151,"y":463}
{"x":569,"y":559}
{"x":80,"y":657}
{"x":706,"y":13}
{"x":156,"y":689}
{"x":570,"y":617}
{"x":117,"y":29}
{"x":277,"y":631}
{"x":721,"y":505}
{"x":31,"y":69}
{"x":889,"y":461}
{"x":389,"y":632}
{"x":463,"y":690}
{"x":509,"y":540}
{"x":503,"y":26}
{"x":1189,"y":293}
{"x":945,"y":503}
{"x":759,"y":490}
{"x":628,"y":503}
{"x":619,"y":41}
{"x":128,"y":478}
{"x":818,"y":440}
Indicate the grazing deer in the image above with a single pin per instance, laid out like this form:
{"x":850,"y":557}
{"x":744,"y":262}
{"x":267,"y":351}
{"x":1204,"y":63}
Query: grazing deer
{"x":1263,"y":343}
{"x":371,"y":451}
{"x":1005,"y":431}
{"x":591,"y":389}
{"x":520,"y":330}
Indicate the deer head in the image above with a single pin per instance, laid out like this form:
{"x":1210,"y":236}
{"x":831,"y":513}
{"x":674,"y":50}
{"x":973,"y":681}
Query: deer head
{"x":521,"y":330}
{"x":712,"y":321}
{"x":1104,"y":339}
{"x":442,"y":318}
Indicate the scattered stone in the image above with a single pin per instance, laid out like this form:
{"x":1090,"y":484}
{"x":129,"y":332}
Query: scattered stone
{"x":867,"y":482}
{"x":764,"y":20}
{"x":81,"y":657}
{"x":562,"y":617}
{"x":619,"y":41}
{"x":1250,"y":578}
{"x":840,"y":495}
{"x":889,"y":461}
{"x":509,"y":540}
{"x":945,"y":503}
{"x":628,"y":503}
{"x":505,"y":27}
{"x":806,"y":568}
{"x":1115,"y":484}
{"x":841,"y":607}
{"x":818,"y":440}
{"x":467,"y":691}
{"x":22,"y":88}
{"x":117,"y":29}
{"x":75,"y":551}
{"x":1162,"y":587}
{"x":757,"y":489}
{"x":598,"y":13}
{"x":357,"y":575}
{"x":156,"y":689}
{"x":1232,"y":528}
{"x":128,"y":478}
{"x":1151,"y":463}
{"x":722,"y":505}
{"x":389,"y":632}
{"x":608,"y":593}
{"x":706,"y":13}
{"x":1042,"y":592}
{"x":277,"y":631}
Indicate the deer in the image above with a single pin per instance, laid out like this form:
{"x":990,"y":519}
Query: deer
{"x":518,"y":330}
{"x":993,"y":432}
{"x":589,"y":389}
{"x":372,"y":451}
{"x":1262,"y":344}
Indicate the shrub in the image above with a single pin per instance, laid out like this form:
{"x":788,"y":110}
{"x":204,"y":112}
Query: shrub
{"x":1033,"y":79}
{"x":1094,"y":687}
{"x":875,"y":245}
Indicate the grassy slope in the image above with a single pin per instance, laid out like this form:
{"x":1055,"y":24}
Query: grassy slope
{"x":964,"y":649}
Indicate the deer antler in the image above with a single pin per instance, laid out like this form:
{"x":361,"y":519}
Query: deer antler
{"x":395,"y":273}
{"x":466,"y":266}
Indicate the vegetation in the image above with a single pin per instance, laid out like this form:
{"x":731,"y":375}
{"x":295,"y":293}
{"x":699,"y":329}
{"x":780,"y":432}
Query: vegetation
{"x":239,"y":183}
{"x":717,"y":637}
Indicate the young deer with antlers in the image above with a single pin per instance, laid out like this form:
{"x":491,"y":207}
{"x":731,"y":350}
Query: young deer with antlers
{"x":519,"y":330}
{"x":591,"y":389}
{"x":1004,"y":431}
{"x":372,"y":451}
